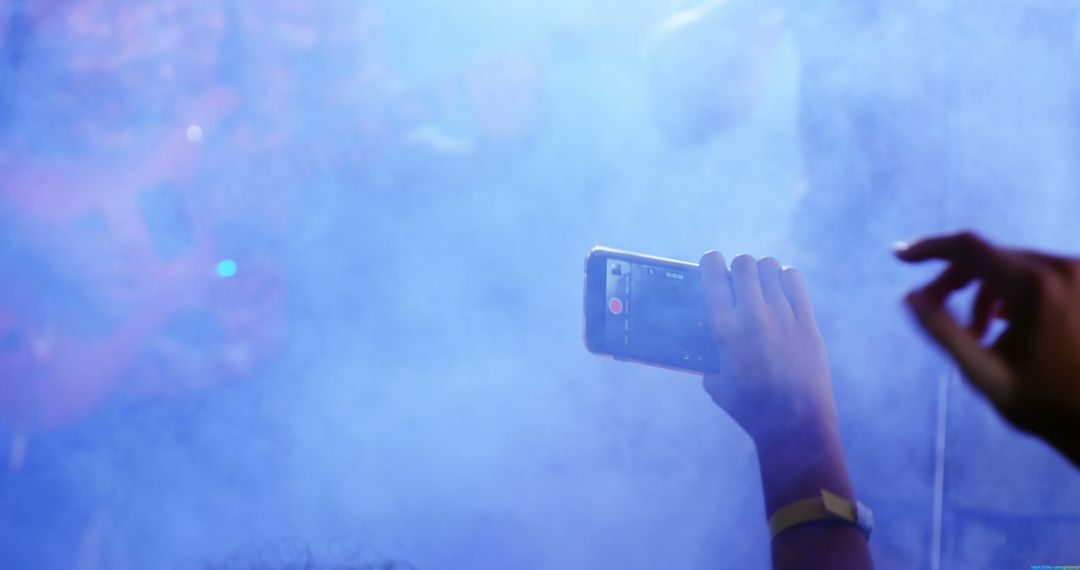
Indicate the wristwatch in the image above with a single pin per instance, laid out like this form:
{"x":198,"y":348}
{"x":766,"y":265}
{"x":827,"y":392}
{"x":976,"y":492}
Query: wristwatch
{"x":827,"y":507}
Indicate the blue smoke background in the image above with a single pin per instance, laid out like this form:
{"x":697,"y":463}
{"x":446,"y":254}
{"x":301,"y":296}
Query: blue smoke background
{"x":408,"y":190}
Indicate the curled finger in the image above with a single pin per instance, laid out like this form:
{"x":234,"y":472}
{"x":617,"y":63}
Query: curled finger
{"x":983,"y":310}
{"x":716,"y":281}
{"x":747,"y":285}
{"x":982,"y":367}
{"x":795,"y":290}
{"x":769,"y":271}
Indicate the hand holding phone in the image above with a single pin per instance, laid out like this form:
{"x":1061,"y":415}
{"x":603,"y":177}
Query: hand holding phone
{"x":761,"y":351}
{"x":775,"y":379}
{"x":750,"y":330}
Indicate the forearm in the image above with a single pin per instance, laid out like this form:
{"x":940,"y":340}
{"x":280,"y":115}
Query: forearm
{"x":799,"y":467}
{"x":777,"y":387}
{"x":823,"y":545}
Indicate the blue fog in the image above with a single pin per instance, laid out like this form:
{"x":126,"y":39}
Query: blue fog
{"x":287,"y":283}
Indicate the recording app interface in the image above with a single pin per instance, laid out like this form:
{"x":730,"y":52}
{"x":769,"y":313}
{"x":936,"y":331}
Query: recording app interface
{"x":657,"y":313}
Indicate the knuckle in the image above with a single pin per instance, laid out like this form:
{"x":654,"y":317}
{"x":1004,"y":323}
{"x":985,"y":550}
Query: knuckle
{"x":769,"y":262}
{"x":1052,"y":284}
{"x":1040,"y":284}
{"x":969,"y":241}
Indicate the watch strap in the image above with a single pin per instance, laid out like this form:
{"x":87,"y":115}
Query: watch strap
{"x":827,"y":507}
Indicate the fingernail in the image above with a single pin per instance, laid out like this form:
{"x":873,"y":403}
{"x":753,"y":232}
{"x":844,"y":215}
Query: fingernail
{"x":900,"y":246}
{"x":710,"y":261}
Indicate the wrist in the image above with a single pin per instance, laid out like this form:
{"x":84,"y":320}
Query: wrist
{"x":801,"y":464}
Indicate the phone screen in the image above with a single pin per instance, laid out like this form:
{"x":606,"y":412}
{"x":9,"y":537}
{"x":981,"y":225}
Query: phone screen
{"x":655,"y":312}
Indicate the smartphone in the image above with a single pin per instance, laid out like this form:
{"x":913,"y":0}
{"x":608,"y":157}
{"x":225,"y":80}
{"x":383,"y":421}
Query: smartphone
{"x":647,"y":309}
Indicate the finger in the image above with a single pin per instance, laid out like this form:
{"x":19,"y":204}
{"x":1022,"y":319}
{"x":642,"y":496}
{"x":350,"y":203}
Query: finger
{"x":984,"y":369}
{"x":716,"y":280}
{"x":795,"y":290}
{"x":983,"y":311}
{"x":769,"y":272}
{"x":998,"y":266}
{"x":1010,"y":345}
{"x":747,"y":284}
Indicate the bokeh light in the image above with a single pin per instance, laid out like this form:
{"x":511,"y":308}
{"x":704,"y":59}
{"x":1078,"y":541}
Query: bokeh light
{"x":226,"y":268}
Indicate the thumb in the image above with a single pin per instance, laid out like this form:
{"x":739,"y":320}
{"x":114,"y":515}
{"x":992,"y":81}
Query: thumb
{"x":718,"y":387}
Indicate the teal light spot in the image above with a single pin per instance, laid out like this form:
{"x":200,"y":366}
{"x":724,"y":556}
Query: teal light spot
{"x":226,"y":268}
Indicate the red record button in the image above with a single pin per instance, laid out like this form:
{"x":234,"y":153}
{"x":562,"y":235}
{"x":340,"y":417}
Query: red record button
{"x":615,"y":304}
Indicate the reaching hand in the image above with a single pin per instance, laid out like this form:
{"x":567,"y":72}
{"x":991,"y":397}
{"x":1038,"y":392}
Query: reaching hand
{"x":1031,"y":372}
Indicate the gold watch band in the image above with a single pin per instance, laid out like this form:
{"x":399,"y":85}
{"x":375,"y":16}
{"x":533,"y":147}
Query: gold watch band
{"x":827,"y":507}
